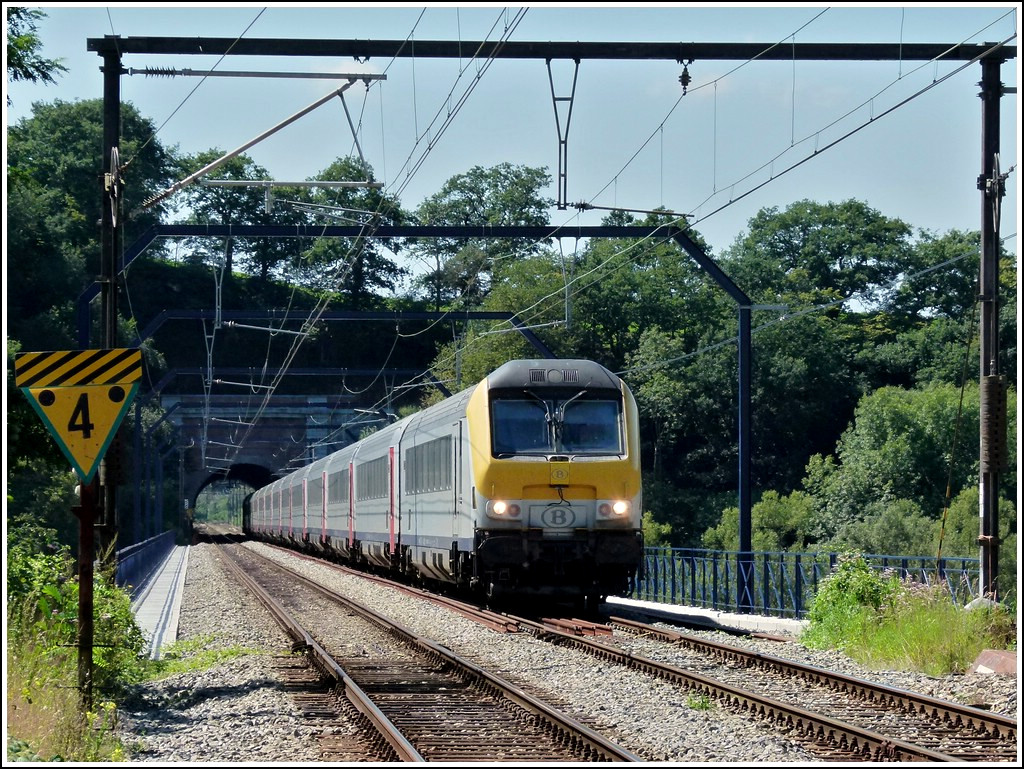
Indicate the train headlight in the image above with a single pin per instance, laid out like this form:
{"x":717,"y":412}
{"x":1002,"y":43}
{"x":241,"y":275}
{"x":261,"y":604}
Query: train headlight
{"x":615,"y":509}
{"x":499,"y":508}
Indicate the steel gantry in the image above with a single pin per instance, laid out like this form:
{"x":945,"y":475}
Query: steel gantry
{"x":112,"y":49}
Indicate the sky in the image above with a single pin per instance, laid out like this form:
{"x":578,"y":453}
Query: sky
{"x":902,"y":136}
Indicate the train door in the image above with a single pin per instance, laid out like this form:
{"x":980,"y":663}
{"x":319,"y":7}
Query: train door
{"x":323,"y":505}
{"x":392,"y":502}
{"x":351,"y":504}
{"x":457,"y":498}
{"x":463,"y":483}
{"x":305,"y":510}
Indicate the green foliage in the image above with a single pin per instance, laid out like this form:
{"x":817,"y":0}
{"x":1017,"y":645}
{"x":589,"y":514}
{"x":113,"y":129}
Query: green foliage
{"x":191,"y":654}
{"x":892,"y":526}
{"x":699,"y":702}
{"x":883,"y":622}
{"x":921,"y":629}
{"x":42,"y":593}
{"x":821,"y":251}
{"x":462,"y":272}
{"x":932,"y":352}
{"x":20,"y":750}
{"x":55,"y":198}
{"x":899,"y":448}
{"x":221,"y":502}
{"x":847,"y":604}
{"x":688,"y":512}
{"x":777,"y":523}
{"x":930,"y":290}
{"x":958,"y":536}
{"x":42,"y":664}
{"x":23,"y":45}
{"x":655,"y":534}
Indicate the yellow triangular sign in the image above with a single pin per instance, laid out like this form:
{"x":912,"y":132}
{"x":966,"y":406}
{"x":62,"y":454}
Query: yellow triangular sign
{"x":83,"y":419}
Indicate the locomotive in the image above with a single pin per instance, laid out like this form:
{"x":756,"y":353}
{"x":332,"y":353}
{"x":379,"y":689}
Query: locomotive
{"x":526,"y":484}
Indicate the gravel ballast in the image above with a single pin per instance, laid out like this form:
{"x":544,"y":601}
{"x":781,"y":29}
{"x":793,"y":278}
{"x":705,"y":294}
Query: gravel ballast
{"x":239,"y":711}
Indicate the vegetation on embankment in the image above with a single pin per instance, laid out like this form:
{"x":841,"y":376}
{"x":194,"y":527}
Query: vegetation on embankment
{"x":887,"y":623}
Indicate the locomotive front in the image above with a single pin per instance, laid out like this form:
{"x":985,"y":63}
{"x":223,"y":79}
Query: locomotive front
{"x":556,"y":468}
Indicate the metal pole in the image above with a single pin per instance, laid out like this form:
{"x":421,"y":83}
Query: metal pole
{"x":109,"y":254}
{"x":743,"y":589}
{"x":86,"y":514}
{"x":993,"y":392}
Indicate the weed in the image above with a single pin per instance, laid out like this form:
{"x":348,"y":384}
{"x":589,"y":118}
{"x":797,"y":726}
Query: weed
{"x":884,"y":622}
{"x":699,"y":702}
{"x":199,"y":653}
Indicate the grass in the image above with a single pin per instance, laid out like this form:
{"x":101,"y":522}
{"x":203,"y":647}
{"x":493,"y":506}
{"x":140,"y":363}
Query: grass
{"x":44,"y":708}
{"x":885,"y":623}
{"x":199,"y":653}
{"x":699,"y":702}
{"x":935,"y":638}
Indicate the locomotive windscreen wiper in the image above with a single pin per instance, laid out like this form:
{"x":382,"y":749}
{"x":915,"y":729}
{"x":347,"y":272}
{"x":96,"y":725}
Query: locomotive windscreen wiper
{"x":558,"y":422}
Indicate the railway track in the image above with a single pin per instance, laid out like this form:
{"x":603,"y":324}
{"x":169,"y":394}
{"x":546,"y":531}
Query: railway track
{"x":963,"y":732}
{"x":425,"y":702}
{"x":832,"y":716}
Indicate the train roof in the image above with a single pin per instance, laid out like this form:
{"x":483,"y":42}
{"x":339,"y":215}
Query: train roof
{"x":553,"y":372}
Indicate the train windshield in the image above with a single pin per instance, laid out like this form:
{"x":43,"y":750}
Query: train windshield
{"x":572,"y":425}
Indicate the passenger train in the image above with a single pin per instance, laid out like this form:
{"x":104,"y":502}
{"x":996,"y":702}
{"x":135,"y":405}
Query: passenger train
{"x":525,"y":484}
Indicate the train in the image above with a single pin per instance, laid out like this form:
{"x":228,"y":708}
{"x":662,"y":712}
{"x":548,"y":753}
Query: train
{"x":526,"y":485}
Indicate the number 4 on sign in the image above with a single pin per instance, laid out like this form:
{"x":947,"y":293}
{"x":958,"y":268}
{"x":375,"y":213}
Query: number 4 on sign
{"x":84,"y":420}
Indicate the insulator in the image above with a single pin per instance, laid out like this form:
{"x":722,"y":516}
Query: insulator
{"x":159,"y":72}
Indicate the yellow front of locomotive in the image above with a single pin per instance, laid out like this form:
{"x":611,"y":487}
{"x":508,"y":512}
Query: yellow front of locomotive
{"x":556,"y":480}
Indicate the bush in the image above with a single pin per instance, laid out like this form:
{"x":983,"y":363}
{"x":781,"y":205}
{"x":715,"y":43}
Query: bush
{"x":44,"y":704}
{"x":846,"y":606}
{"x":883,"y":622}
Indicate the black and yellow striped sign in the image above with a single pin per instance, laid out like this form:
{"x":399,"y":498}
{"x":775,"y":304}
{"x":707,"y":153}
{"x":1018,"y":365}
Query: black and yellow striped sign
{"x":77,"y":368}
{"x":82,"y":396}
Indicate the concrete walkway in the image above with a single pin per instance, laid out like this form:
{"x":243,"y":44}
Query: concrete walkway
{"x":714,"y":619}
{"x":158,"y":603}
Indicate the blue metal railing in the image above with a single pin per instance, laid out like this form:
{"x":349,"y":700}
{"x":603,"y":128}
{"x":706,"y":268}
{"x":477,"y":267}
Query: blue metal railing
{"x":779,"y":584}
{"x":136,"y":563}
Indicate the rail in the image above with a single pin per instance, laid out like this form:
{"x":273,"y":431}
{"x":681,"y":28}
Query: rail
{"x":780,"y":584}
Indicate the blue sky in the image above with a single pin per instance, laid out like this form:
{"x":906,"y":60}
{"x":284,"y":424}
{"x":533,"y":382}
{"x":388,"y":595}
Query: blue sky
{"x":632,"y":141}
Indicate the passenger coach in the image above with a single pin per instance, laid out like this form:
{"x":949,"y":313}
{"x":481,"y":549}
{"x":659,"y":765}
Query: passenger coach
{"x":527,"y":483}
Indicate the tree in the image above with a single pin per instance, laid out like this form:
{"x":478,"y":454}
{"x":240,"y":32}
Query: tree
{"x":804,"y":391}
{"x":777,"y":523}
{"x":54,"y":199}
{"x":357,"y":267}
{"x":941,"y":277}
{"x":820,"y":252}
{"x":623,"y":287}
{"x":958,"y":535}
{"x":464,"y":271}
{"x":54,"y":172}
{"x":890,"y":526}
{"x":655,"y":534}
{"x":235,"y":204}
{"x":481,"y":346}
{"x":901,"y":447}
{"x":23,"y":59}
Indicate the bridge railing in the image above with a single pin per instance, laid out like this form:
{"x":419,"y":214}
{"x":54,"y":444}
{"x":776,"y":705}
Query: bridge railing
{"x":780,"y":584}
{"x":137,"y":563}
